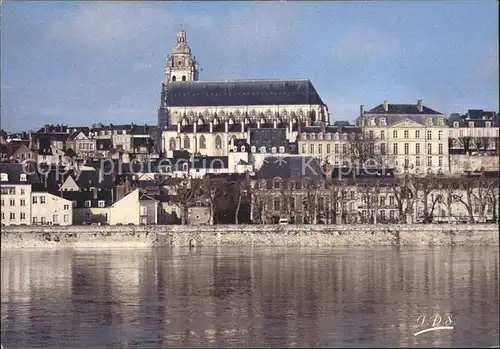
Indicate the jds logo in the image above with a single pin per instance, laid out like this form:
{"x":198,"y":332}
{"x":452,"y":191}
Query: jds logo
{"x":434,"y":323}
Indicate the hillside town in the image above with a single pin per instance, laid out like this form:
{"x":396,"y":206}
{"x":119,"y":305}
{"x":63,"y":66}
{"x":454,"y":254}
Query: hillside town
{"x":254,"y":152}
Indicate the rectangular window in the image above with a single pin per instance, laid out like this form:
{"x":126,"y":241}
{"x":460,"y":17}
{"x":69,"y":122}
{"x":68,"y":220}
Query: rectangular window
{"x":440,"y":149}
{"x":303,"y":148}
{"x":394,"y":134}
{"x":407,"y":148}
{"x":429,"y":161}
{"x":429,"y":135}
{"x":66,"y":207}
{"x":417,"y":161}
{"x":440,"y":161}
{"x":336,"y":148}
{"x":22,"y":191}
{"x":395,"y":149}
{"x":35,"y":220}
{"x":344,"y":148}
{"x":42,"y":199}
{"x":417,"y":148}
{"x":382,"y":201}
{"x":66,"y":218}
{"x":417,"y":134}
{"x":12,"y":202}
{"x":2,"y":202}
{"x":22,"y":202}
{"x":311,"y":149}
{"x":276,"y":204}
{"x":382,"y":148}
{"x":407,"y":163}
{"x":382,"y":134}
{"x":320,"y":148}
{"x":391,"y":215}
{"x":406,"y":134}
{"x":440,"y":135}
{"x":23,"y":216}
{"x":391,"y":200}
{"x":12,"y":216}
{"x":429,"y":149}
{"x":55,"y":219}
{"x":42,"y":220}
{"x":35,"y":199}
{"x":3,"y":215}
{"x":328,"y":148}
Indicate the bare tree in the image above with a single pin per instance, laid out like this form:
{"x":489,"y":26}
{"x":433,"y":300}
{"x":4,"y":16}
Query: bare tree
{"x":466,"y":144}
{"x":425,"y":187}
{"x":404,"y":193}
{"x":369,"y":195}
{"x":465,"y":195}
{"x":242,"y":189}
{"x":212,"y":189}
{"x":492,"y":196}
{"x":311,"y":200}
{"x":480,"y":144}
{"x":185,"y":190}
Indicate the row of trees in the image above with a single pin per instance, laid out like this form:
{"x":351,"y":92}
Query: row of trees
{"x":230,"y":200}
{"x":470,"y":144}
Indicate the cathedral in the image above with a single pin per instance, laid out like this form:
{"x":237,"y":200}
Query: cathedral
{"x":209,"y":117}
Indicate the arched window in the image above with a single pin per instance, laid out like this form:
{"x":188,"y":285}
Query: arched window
{"x":172,"y":144}
{"x":184,"y":78}
{"x":173,"y":78}
{"x":203,"y":142}
{"x":233,"y":138}
{"x":253,"y":149}
{"x":218,"y":142}
{"x":187,"y":143}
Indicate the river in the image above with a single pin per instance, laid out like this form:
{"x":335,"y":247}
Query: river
{"x":250,"y":297}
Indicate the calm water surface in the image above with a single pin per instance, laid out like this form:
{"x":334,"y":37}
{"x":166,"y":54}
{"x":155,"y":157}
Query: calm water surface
{"x":244,"y":297}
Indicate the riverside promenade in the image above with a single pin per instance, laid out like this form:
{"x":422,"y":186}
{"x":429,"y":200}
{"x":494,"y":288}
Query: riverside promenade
{"x":248,"y":235}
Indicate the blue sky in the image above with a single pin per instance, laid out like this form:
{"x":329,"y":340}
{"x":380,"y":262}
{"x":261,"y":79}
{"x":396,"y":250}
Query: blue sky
{"x":82,"y":62}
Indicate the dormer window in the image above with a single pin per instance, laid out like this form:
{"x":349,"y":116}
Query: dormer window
{"x":253,"y":149}
{"x":336,"y":136}
{"x":168,"y":169}
{"x":328,"y":136}
{"x":471,"y":124}
{"x":184,"y":167}
{"x":303,"y":136}
{"x":87,"y":203}
{"x":312,"y":136}
{"x":488,"y":123}
{"x":22,"y":177}
{"x":455,"y":124}
{"x":320,"y":136}
{"x":243,"y":148}
{"x":101,"y":203}
{"x":383,"y":122}
{"x":282,"y":149}
{"x":74,"y":204}
{"x":4,"y":177}
{"x":372,"y":122}
{"x":273,"y":150}
{"x":200,"y":122}
{"x":428,"y":121}
{"x":262,"y":149}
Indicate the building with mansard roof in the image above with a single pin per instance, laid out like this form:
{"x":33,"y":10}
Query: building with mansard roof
{"x":205,"y":117}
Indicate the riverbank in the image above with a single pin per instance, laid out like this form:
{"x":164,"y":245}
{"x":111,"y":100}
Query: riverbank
{"x":249,"y":235}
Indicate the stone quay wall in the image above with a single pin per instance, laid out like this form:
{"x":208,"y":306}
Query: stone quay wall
{"x":248,"y":235}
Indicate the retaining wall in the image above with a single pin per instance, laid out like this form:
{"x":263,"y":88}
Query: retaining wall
{"x":248,"y":235}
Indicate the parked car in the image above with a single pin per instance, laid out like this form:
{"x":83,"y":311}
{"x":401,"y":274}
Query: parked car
{"x":283,"y":221}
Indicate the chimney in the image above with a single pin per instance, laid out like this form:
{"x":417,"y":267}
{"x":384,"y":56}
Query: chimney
{"x":226,"y":126}
{"x":420,"y":105}
{"x":211,"y":127}
{"x":386,"y":105}
{"x":361,"y":110}
{"x":242,"y":127}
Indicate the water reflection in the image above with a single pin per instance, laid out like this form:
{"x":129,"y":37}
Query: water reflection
{"x":156,"y":298}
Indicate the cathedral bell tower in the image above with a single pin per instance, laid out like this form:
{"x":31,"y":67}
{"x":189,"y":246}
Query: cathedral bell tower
{"x":181,"y":66}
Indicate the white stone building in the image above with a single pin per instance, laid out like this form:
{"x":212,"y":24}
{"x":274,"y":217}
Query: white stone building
{"x":411,"y":137}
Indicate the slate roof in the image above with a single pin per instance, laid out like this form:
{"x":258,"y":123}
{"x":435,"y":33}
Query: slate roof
{"x":291,"y":167}
{"x":45,"y":151}
{"x":346,"y":173}
{"x":103,"y":144}
{"x":138,"y":142}
{"x":70,"y":152}
{"x":478,"y":116}
{"x":242,"y":92}
{"x":272,"y":137}
{"x":402,"y":109}
{"x":14,"y":172}
{"x":81,"y":196}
